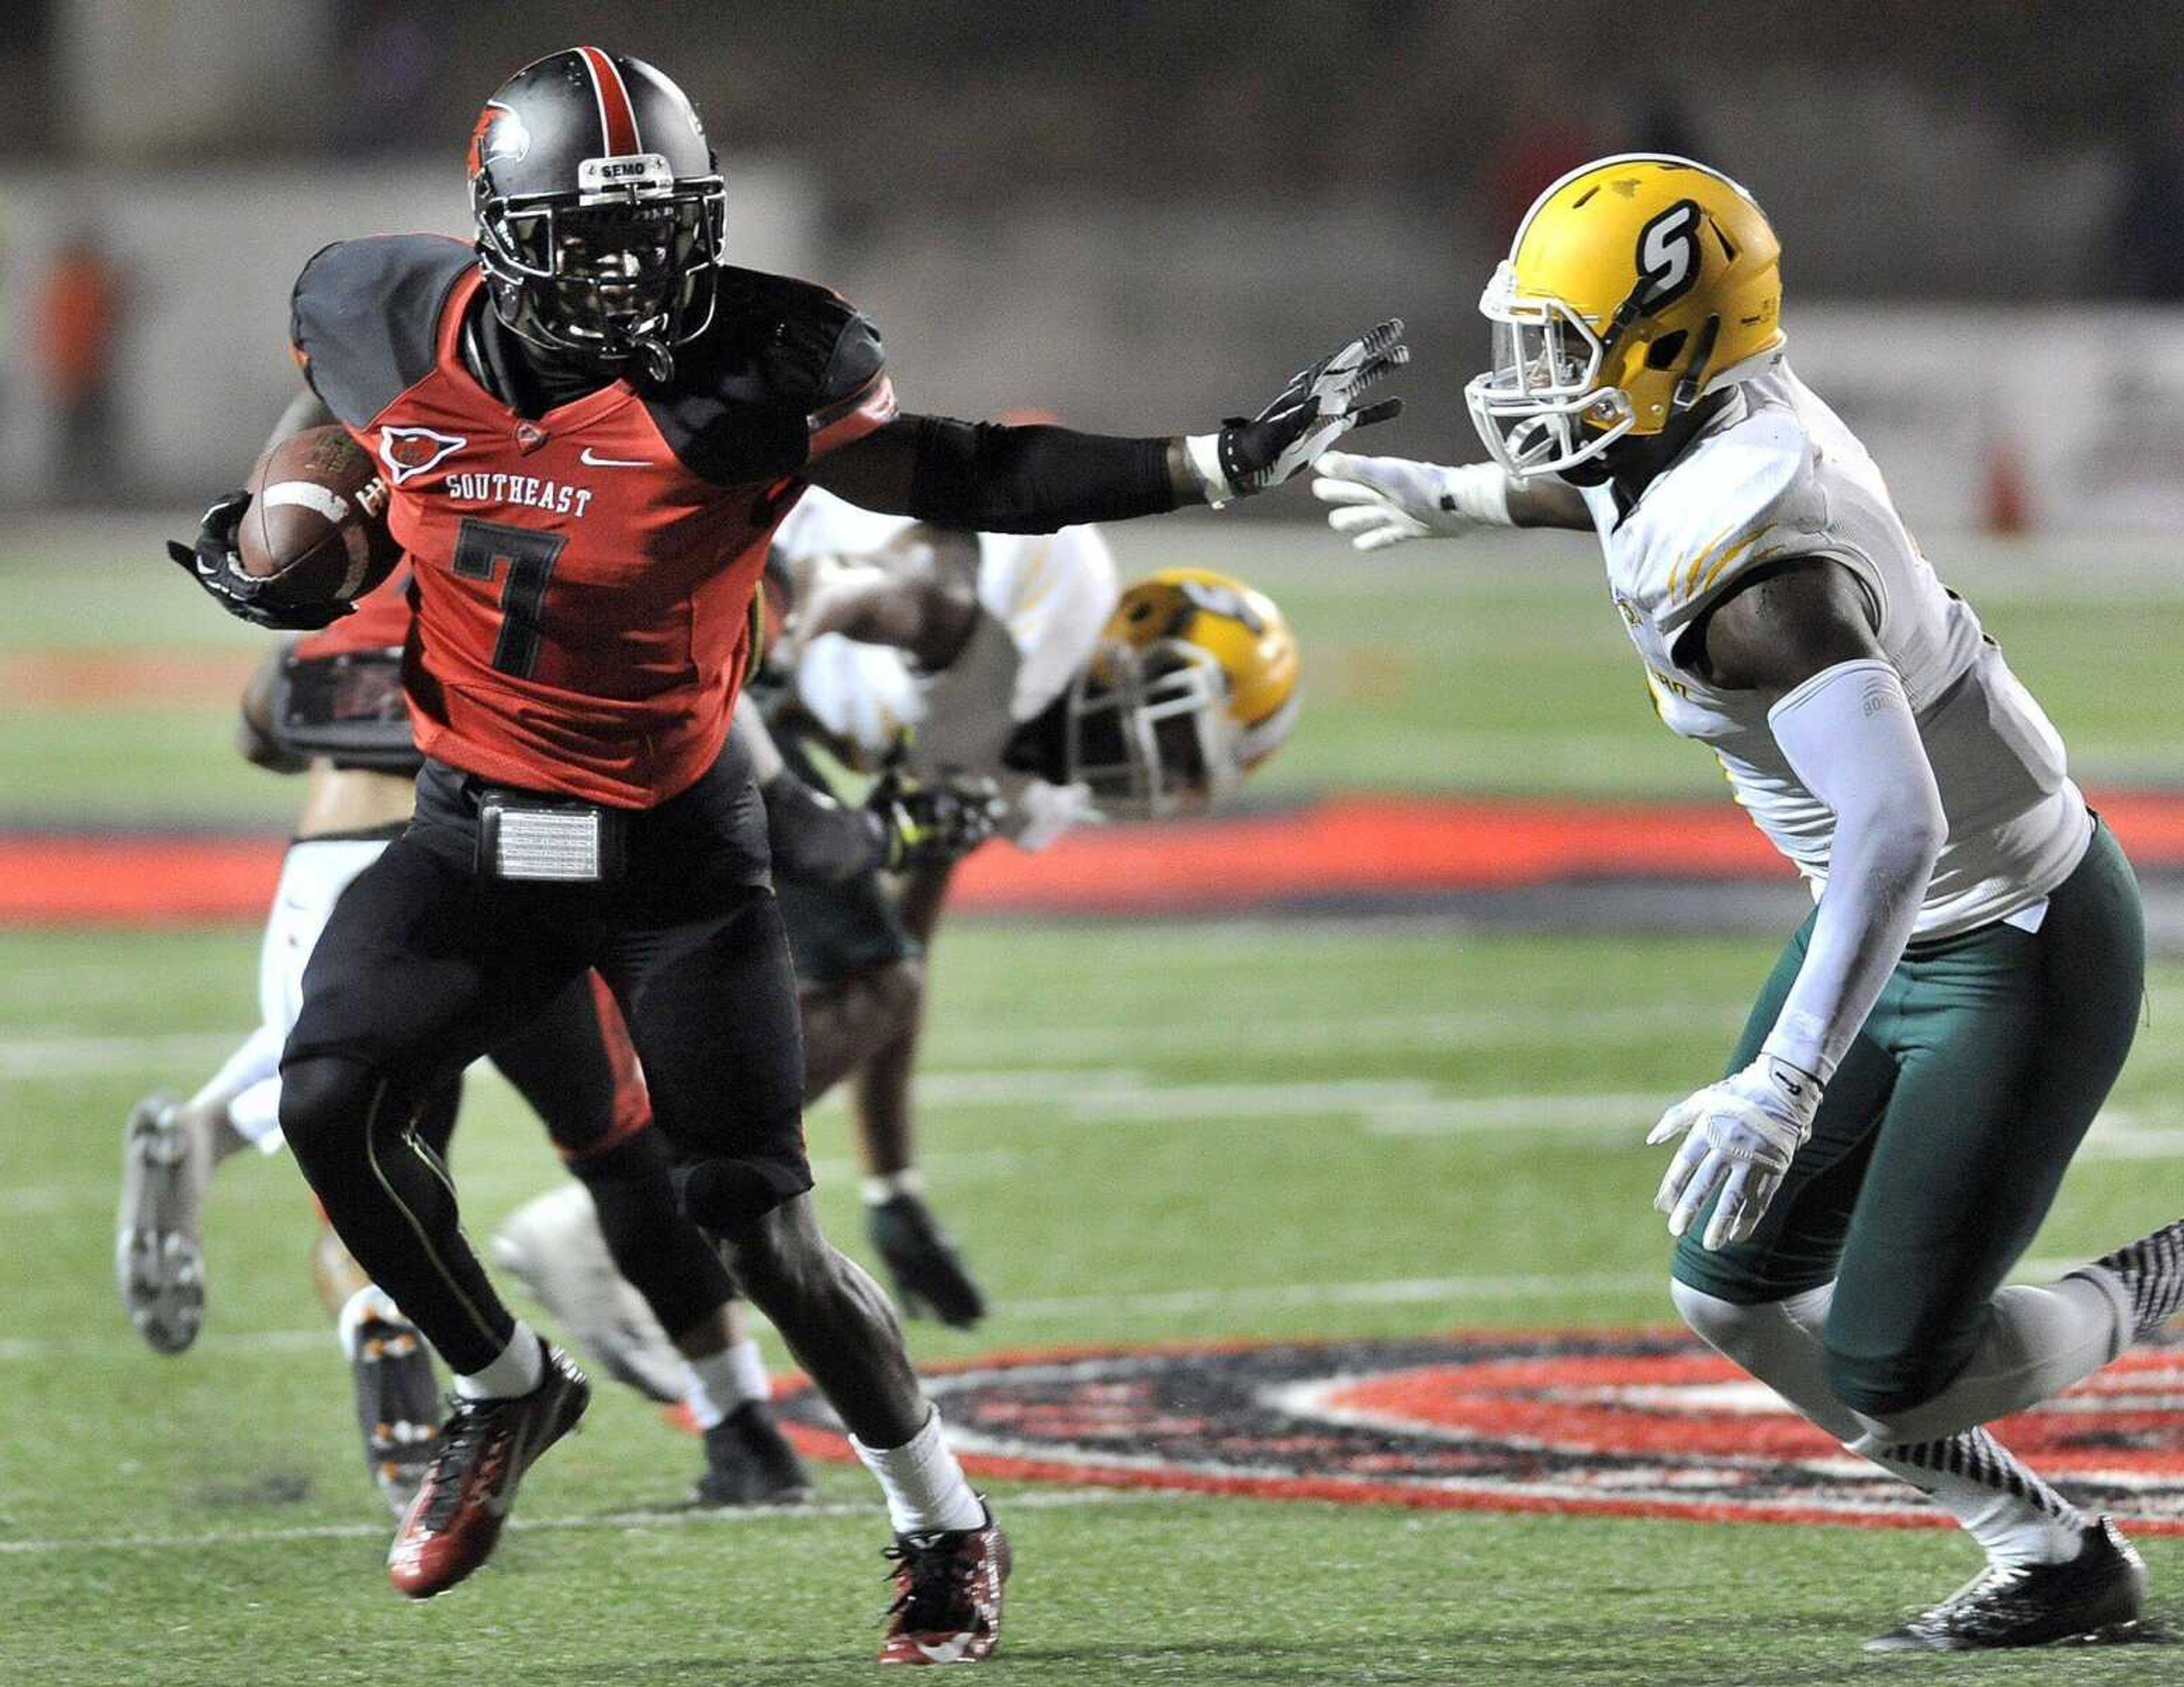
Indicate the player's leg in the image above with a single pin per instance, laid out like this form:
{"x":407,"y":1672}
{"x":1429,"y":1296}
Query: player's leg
{"x":170,"y":1150}
{"x":423,"y":967}
{"x":1763,"y":1303}
{"x":712,"y":1007}
{"x":396,"y":1392}
{"x":2009,"y":1041}
{"x":861,"y":975}
{"x":588,"y":1253}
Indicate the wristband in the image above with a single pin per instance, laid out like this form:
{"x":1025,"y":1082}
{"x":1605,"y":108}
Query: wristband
{"x":1203,"y":451}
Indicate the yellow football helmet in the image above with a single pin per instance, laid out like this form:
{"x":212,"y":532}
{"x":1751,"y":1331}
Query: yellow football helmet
{"x":1193,"y":684}
{"x":1636,"y":286}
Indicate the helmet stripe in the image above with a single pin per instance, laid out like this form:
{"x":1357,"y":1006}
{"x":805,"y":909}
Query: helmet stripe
{"x":617,"y":116}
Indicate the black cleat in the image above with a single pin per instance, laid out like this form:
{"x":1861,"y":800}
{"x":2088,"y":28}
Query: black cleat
{"x":2097,"y":1596}
{"x":749,"y":1462}
{"x":398,"y":1402}
{"x":929,"y":1274}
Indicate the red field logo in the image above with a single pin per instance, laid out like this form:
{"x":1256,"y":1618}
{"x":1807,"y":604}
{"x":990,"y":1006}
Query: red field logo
{"x":1646,"y":1423}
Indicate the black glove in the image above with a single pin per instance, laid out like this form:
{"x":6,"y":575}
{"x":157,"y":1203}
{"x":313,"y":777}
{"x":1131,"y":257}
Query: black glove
{"x":933,"y":823}
{"x":213,"y":564}
{"x":1315,"y":409}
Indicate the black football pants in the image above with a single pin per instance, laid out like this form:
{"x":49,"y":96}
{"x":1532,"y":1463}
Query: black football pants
{"x":425,"y":965}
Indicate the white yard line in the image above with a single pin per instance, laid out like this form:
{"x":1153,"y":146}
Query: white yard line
{"x":1032,"y":1499}
{"x":189,"y":1054}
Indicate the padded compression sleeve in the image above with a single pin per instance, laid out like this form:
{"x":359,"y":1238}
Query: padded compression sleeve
{"x":1850,"y":736}
{"x":1033,"y":480}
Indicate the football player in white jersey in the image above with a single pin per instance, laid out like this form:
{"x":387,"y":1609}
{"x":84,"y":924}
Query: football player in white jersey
{"x":961,"y":659}
{"x":1939,"y":1035}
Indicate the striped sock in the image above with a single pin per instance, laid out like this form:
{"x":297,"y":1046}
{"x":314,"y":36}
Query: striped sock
{"x":2010,"y":1511}
{"x":2151,"y":1273}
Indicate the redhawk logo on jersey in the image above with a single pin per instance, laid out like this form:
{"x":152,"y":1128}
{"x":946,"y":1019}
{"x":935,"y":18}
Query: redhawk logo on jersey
{"x":408,"y":452}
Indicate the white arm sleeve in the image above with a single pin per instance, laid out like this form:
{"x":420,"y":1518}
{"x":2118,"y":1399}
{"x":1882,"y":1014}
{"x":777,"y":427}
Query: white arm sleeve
{"x":1850,"y":736}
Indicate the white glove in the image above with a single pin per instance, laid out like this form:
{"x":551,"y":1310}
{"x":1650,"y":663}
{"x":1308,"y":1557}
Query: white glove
{"x":1047,"y":811}
{"x":1382,"y":501}
{"x":1744,"y":1132}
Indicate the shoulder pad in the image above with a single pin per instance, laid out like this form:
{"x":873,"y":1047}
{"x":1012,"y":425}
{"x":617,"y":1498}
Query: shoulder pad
{"x":365,"y":318}
{"x":815,"y":348}
{"x":1746,"y":501}
{"x":784,"y":360}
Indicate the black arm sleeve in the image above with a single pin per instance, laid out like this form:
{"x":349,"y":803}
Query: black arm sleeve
{"x":1032,"y":480}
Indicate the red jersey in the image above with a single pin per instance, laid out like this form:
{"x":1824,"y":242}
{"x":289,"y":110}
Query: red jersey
{"x":583,"y":579}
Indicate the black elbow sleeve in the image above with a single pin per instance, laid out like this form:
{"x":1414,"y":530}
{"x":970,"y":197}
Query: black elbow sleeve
{"x":1032,"y":480}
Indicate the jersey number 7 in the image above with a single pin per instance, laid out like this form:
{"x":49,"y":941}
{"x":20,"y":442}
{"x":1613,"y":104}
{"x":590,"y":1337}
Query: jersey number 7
{"x":482,"y":549}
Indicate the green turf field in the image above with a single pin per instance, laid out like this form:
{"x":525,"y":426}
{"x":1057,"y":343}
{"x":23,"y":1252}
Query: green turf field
{"x":1139,"y":1135}
{"x":1490,"y":665}
{"x":205,"y":1519}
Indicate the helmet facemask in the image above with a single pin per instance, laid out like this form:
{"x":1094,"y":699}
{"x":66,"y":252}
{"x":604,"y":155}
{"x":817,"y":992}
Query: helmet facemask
{"x":1541,"y":409}
{"x":1149,"y":729}
{"x":609,"y":273}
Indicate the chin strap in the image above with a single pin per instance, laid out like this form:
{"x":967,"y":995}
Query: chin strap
{"x":652,"y":353}
{"x":1691,"y":388}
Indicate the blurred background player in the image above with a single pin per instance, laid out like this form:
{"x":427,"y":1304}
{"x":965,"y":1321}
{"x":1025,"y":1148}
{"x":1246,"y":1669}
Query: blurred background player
{"x":1007,"y":660}
{"x":1935,"y":1042}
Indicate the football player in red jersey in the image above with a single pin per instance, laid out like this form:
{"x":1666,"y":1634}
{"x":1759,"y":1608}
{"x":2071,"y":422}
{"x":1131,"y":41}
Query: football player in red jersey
{"x":591,"y":424}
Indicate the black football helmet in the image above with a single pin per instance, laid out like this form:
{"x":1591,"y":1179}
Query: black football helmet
{"x":601,"y":212}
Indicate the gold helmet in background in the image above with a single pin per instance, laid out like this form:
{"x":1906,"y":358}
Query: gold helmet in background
{"x":1634,"y":286}
{"x":1193,"y":684}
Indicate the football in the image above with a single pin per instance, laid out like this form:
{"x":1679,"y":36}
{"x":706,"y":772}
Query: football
{"x":316,"y":527}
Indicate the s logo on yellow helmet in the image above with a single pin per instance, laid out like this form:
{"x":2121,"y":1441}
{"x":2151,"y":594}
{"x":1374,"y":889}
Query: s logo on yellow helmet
{"x":1669,"y":254}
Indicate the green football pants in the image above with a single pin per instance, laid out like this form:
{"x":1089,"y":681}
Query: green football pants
{"x":1939,"y":1145}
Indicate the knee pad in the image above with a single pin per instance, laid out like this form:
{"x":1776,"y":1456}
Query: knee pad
{"x":726,"y":1197}
{"x":1890,"y":1385}
{"x":326,"y":1101}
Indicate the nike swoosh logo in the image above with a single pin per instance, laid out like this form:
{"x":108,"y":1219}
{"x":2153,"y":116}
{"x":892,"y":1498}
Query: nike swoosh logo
{"x":586,"y":457}
{"x":951,"y":1652}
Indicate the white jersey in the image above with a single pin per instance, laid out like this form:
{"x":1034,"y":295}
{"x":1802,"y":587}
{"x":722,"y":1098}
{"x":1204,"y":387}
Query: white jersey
{"x":1043,"y":599}
{"x":1779,"y":476}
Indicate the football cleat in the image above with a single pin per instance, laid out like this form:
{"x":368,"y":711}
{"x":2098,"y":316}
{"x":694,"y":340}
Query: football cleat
{"x":929,"y":1274}
{"x":554,"y":1246}
{"x":398,"y":1399}
{"x":749,"y":1462}
{"x":2097,"y":1596}
{"x":485,"y":1447}
{"x":947,"y":1603}
{"x":158,"y":1260}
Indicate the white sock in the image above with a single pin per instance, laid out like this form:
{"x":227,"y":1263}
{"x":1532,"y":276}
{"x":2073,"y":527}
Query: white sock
{"x":926,"y":1492}
{"x":751,"y":1381}
{"x":2015,"y":1515}
{"x":2002,"y":1505}
{"x":520,"y":1367}
{"x":883,"y":1187}
{"x":716,"y":1385}
{"x":2039,"y":1342}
